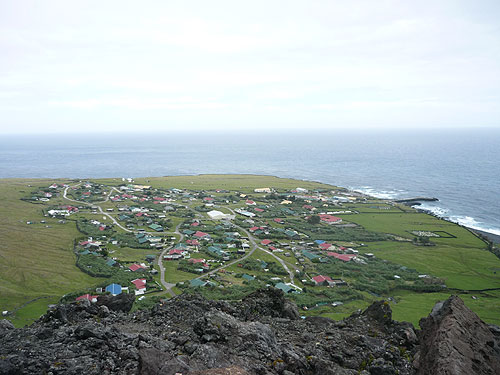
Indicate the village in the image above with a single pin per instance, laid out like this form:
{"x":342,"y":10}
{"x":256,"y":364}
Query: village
{"x":160,"y":242}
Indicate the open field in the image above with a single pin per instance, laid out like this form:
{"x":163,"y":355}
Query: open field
{"x":243,"y":183}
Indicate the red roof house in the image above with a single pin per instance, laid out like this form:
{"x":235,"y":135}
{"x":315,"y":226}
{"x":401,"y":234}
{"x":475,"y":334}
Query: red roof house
{"x":325,"y":246}
{"x":343,"y":257}
{"x":139,"y":283}
{"x":323,"y":280}
{"x":329,"y":218}
{"x":201,"y":234}
{"x":266,"y":242}
{"x":196,"y":260}
{"x":176,"y":251}
{"x":134,"y":267}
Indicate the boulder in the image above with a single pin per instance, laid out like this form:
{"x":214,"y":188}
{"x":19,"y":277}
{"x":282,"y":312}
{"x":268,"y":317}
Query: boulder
{"x":121,"y":302}
{"x":455,"y":341}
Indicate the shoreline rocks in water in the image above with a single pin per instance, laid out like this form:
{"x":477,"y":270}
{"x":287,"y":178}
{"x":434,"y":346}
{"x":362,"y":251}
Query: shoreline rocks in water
{"x":262,"y":334}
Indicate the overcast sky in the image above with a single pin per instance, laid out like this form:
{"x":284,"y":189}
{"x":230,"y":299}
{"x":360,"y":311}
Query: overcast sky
{"x":105,"y":65}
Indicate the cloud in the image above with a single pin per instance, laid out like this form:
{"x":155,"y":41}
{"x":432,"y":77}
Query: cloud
{"x":262,"y":64}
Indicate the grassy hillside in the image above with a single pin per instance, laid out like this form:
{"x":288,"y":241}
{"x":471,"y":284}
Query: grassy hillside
{"x":35,"y":260}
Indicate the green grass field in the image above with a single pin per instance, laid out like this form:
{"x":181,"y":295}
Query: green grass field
{"x":34,"y":260}
{"x":244,"y":183}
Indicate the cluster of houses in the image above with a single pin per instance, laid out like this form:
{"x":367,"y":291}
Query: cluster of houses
{"x":140,"y":205}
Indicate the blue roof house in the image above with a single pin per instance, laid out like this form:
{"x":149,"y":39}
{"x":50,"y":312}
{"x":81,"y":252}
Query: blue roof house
{"x":114,"y":289}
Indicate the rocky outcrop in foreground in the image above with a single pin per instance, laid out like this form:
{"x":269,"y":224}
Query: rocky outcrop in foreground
{"x":262,"y":334}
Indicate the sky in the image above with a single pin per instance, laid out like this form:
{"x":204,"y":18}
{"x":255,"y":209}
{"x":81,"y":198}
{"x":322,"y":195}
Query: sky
{"x":126,"y":66}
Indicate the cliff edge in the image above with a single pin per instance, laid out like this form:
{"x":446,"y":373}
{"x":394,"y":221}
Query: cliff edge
{"x":262,"y":334}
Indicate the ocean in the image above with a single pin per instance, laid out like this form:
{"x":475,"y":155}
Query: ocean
{"x":459,"y":167}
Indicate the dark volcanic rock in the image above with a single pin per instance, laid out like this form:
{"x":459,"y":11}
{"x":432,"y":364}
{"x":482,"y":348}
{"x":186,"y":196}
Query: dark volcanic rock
{"x":121,"y":302}
{"x":261,"y":334}
{"x":455,"y":341}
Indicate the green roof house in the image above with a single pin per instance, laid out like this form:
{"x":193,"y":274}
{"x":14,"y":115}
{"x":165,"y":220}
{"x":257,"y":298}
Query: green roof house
{"x":309,"y":255}
{"x":285,"y":288}
{"x":156,"y":227}
{"x":196,"y":283}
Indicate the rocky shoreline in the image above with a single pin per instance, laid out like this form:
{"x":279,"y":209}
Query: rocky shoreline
{"x":262,"y":334}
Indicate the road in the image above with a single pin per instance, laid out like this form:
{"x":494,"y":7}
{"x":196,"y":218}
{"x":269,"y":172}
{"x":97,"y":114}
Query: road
{"x":168,"y":286}
{"x":254,"y":247}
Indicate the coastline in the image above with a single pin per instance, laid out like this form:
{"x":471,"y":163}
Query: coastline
{"x":413,"y":202}
{"x":416,"y":204}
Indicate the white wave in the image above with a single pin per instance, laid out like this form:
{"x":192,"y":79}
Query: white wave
{"x":382,"y":194}
{"x":438,"y":211}
{"x":467,"y":221}
{"x":470,"y":222}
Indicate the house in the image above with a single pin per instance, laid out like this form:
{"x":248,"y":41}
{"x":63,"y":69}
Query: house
{"x":279,"y":221}
{"x":329,"y":219}
{"x":114,"y":289}
{"x":323,"y":280}
{"x":286,"y":202}
{"x":291,"y":233}
{"x":326,"y":246}
{"x":250,"y":202}
{"x":266,"y":242}
{"x":248,"y":277}
{"x":254,"y":229}
{"x":217,"y":215}
{"x":258,"y":209}
{"x":196,"y":260}
{"x":343,"y":257}
{"x":215,"y":250}
{"x":201,"y":235}
{"x":193,"y":242}
{"x":135,"y":267}
{"x":87,"y":297}
{"x":262,"y":190}
{"x":188,"y":232}
{"x":177,"y":251}
{"x":173,"y":257}
{"x":197,"y":283}
{"x":111,"y":262}
{"x":140,"y":285}
{"x":156,"y":227}
{"x":244,"y":212}
{"x":285,"y":288}
{"x":309,"y":255}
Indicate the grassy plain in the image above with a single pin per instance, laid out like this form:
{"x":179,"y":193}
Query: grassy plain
{"x":245,"y":183}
